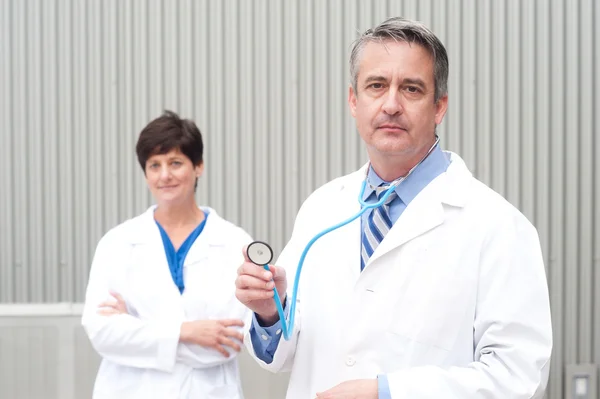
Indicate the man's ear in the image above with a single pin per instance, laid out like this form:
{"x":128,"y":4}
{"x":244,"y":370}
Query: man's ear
{"x":352,"y":100}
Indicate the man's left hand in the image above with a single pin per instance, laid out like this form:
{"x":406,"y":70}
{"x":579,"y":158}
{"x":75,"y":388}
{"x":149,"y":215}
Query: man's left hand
{"x":355,"y":389}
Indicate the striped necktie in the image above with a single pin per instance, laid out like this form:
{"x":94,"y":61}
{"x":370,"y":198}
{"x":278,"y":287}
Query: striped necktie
{"x":377,"y":226}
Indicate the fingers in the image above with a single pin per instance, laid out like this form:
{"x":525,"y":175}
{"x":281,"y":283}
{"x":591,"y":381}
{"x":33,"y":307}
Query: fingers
{"x":230,"y":332}
{"x":232,"y":323}
{"x":108,"y":304}
{"x":278,"y":273}
{"x":227,"y":339}
{"x":245,"y":281}
{"x":108,"y":312}
{"x":230,"y":343}
{"x":254,"y":283}
{"x":117,"y":296}
{"x":221,"y":350}
{"x":245,"y":253}
{"x":252,"y":270}
{"x":249,"y":295}
{"x":227,"y":335}
{"x":110,"y":307}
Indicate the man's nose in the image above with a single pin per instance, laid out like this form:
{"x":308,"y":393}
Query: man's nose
{"x":392,"y":104}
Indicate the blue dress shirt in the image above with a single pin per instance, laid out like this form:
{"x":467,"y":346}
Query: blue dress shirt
{"x":266,"y":339}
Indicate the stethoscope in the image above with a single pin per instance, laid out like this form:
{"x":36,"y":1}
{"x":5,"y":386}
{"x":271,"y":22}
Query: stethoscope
{"x":261,"y":254}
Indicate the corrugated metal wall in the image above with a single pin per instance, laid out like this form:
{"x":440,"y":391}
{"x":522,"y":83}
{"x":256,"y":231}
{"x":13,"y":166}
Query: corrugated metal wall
{"x":266,"y":82}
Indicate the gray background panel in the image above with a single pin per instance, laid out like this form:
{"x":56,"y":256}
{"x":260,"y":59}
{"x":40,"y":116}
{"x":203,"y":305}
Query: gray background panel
{"x":46,"y":354}
{"x":28,"y":360}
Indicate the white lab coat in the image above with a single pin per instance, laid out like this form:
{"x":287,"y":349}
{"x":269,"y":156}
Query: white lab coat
{"x":142,"y":356}
{"x":452,"y":304}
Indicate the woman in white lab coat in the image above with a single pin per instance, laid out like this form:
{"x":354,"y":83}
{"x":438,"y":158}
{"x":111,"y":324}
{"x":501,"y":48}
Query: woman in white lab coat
{"x":160,"y":306}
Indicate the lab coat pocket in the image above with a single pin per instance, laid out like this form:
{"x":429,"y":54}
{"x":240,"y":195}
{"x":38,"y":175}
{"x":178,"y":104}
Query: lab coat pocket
{"x":403,"y":351}
{"x":432,"y":313}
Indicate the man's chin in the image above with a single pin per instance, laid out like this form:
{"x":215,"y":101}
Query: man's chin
{"x":395,"y":150}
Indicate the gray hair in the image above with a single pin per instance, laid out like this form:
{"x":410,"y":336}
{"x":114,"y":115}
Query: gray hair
{"x":403,"y":30}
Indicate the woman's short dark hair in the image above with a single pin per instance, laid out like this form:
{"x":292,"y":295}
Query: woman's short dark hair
{"x":170,"y":132}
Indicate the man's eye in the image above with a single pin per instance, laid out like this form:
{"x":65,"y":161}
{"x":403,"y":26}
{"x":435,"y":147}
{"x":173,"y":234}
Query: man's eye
{"x":412,"y":89}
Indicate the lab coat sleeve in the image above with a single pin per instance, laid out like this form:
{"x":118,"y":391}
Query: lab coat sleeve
{"x":265,"y":340}
{"x":124,"y":339}
{"x":284,"y":351}
{"x":283,"y":357}
{"x":512,"y":327}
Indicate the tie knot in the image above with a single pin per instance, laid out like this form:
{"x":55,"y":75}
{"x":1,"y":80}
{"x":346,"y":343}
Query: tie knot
{"x":380,"y":192}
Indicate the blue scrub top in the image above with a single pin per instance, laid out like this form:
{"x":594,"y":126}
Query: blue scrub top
{"x":176,"y":258}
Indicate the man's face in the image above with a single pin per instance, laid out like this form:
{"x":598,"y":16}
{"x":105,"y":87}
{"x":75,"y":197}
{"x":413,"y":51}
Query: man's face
{"x":394,"y":103}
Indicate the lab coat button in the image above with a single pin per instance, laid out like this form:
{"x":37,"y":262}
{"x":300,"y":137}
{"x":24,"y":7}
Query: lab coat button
{"x":264,"y":337}
{"x":350,"y":361}
{"x":278,"y":331}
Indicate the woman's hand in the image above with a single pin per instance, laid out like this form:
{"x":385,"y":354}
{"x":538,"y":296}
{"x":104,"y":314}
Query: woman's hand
{"x":215,"y":334}
{"x":111,"y":308}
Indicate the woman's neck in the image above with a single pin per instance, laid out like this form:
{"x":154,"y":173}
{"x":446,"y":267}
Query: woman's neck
{"x":179,"y":215}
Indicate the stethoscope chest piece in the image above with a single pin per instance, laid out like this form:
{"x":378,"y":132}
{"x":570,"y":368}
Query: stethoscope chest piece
{"x":259,"y":253}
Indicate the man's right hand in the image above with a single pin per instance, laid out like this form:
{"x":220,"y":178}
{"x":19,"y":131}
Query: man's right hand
{"x":254,"y":288}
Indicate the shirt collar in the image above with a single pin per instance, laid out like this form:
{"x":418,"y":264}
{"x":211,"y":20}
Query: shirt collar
{"x":435,"y":164}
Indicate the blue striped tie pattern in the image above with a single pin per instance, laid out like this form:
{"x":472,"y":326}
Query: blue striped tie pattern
{"x":378,"y":225}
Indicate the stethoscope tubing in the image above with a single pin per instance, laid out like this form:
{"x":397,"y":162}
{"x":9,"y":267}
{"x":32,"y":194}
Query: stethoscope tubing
{"x":287,"y":325}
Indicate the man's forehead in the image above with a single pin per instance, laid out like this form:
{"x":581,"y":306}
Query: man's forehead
{"x":389,"y":43}
{"x":368,"y":67}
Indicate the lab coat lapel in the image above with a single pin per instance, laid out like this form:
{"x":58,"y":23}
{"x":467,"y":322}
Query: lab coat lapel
{"x":199,"y":249}
{"x":422,"y":215}
{"x":426,"y":211}
{"x":212,"y":236}
{"x":149,"y":264}
{"x":349,"y":237}
{"x":147,"y":234}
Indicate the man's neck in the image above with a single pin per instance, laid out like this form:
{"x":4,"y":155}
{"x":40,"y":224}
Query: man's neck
{"x":392,"y":167}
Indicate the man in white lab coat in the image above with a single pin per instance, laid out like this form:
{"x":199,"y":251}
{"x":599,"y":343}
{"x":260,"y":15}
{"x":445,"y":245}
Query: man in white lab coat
{"x":440,"y":292}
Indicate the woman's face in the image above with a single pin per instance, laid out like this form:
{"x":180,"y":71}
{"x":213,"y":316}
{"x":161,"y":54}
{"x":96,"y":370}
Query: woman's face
{"x":171,"y":177}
